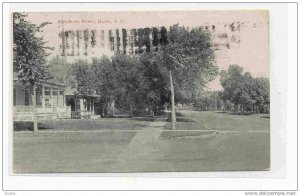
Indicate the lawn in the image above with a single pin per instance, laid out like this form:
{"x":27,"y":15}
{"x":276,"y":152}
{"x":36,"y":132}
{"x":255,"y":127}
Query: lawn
{"x":49,"y":152}
{"x":144,"y":147}
{"x":223,"y":152}
{"x":89,"y":124}
{"x":61,"y":152}
{"x":208,"y":120}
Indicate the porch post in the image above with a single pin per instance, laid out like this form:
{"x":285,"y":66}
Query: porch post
{"x":90,"y":106}
{"x":58,"y":96}
{"x":51,"y":97}
{"x":81,"y":107}
{"x":35,"y":124}
{"x":93,"y":107}
{"x":64,"y":102}
{"x":43,"y":96}
{"x":85,"y":105}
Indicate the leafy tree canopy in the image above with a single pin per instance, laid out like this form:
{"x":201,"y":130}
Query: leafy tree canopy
{"x":190,"y":56}
{"x":29,"y":51}
{"x":244,"y":90}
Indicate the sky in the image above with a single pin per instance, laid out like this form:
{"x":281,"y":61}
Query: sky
{"x":247,"y":46}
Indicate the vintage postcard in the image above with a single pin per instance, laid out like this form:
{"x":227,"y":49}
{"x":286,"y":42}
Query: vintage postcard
{"x":141,"y":91}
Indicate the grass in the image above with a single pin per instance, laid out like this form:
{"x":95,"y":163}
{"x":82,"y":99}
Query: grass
{"x":67,"y":151}
{"x":224,"y":152}
{"x":220,"y":121}
{"x":64,"y":152}
{"x":182,"y":134}
{"x":87,"y":124}
{"x":172,"y":151}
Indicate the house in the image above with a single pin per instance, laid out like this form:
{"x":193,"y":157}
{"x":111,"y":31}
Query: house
{"x":53,"y":101}
{"x":50,"y":101}
{"x":82,"y":106}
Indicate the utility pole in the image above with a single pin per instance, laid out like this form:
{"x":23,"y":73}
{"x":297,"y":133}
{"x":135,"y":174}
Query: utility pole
{"x":173,"y":114}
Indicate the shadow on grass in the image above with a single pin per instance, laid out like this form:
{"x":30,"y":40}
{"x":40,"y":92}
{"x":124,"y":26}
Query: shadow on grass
{"x":240,"y":114}
{"x":247,"y":114}
{"x":179,"y":118}
{"x":221,"y":112}
{"x":144,"y":118}
{"x":181,"y":134}
{"x":266,"y":116}
{"x":28,"y":126}
{"x":177,"y":114}
{"x":148,"y":118}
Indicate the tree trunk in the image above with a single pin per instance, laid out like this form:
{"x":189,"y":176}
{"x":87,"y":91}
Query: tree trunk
{"x":131,"y":110}
{"x":172,"y":102}
{"x":103,"y":109}
{"x":35,"y":124}
{"x":108,"y":109}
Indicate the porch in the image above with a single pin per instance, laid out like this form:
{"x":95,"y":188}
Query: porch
{"x":25,"y":113}
{"x":81,"y":107}
{"x":49,"y":98}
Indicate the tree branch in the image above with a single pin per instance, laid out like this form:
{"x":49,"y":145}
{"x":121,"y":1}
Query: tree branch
{"x":176,"y":61}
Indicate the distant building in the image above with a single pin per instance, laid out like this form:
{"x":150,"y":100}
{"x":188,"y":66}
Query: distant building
{"x":89,"y":43}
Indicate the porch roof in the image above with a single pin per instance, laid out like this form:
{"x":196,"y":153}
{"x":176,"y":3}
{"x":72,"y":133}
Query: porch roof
{"x":72,"y":92}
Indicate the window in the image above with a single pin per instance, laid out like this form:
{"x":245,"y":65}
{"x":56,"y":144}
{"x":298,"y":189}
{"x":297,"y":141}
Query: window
{"x":54,"y":92}
{"x":55,"y":97}
{"x":61,"y":98}
{"x":47,"y":103}
{"x":47,"y":91}
{"x":27,"y":96}
{"x":39,"y":96}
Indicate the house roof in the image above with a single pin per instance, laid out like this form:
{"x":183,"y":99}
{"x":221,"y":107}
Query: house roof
{"x":51,"y":82}
{"x":60,"y":72}
{"x":69,"y":91}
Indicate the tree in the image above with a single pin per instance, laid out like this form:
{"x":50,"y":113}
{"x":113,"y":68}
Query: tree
{"x":208,"y":101}
{"x":263,"y":94}
{"x":228,"y":105}
{"x":103,"y":77}
{"x":60,"y":68}
{"x":188,"y":57}
{"x":231,"y":82}
{"x":80,"y":77}
{"x":245,"y":92}
{"x":129,"y":76}
{"x":154,"y":90}
{"x":29,"y":55}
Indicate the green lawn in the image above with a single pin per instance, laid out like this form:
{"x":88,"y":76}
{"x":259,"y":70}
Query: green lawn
{"x":202,"y":120}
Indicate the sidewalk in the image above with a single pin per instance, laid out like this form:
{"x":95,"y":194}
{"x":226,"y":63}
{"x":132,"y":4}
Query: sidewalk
{"x":142,"y":150}
{"x":146,"y":138}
